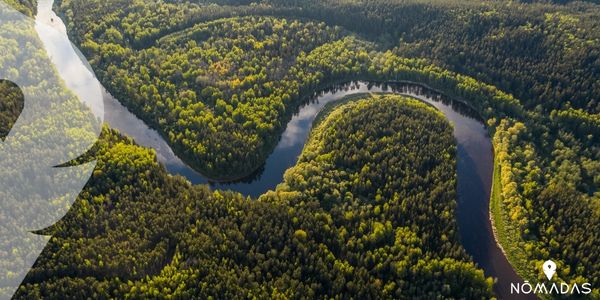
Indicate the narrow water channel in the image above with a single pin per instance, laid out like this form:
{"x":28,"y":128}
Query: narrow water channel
{"x":475,"y":153}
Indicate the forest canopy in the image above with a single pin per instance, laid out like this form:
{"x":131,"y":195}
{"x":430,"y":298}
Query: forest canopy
{"x":137,"y":232}
{"x":220,"y":79}
{"x":530,"y":69}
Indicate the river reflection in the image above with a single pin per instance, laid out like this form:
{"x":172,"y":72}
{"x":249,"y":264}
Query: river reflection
{"x":289,"y":148}
{"x":474,"y":148}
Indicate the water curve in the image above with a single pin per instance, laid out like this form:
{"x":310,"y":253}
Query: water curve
{"x":474,"y":148}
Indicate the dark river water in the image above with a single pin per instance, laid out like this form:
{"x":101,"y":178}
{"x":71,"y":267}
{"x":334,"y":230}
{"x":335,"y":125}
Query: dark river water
{"x":475,"y":153}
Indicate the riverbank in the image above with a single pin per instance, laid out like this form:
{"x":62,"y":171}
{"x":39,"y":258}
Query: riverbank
{"x":507,"y":236}
{"x":475,"y":157}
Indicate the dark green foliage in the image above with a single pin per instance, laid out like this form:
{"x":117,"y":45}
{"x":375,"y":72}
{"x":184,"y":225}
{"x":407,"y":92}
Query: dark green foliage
{"x":382,"y":174}
{"x":27,"y":7}
{"x":380,"y":156}
{"x":563,"y":223}
{"x":11,"y":105}
{"x":545,"y":54}
{"x":220,"y":91}
{"x":137,"y":232}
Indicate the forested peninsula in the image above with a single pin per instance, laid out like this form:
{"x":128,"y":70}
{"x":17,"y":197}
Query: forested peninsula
{"x":369,"y":208}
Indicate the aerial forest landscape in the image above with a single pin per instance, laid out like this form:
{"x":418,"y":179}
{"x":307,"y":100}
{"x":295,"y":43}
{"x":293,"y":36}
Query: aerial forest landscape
{"x":304,"y":149}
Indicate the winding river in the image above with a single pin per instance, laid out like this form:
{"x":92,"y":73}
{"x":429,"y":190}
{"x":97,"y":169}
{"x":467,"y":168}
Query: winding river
{"x":475,"y":153}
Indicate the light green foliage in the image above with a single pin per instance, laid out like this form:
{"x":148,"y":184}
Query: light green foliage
{"x":206,"y":77}
{"x":219,"y":91}
{"x":382,"y":170}
{"x":137,"y":232}
{"x":27,"y":7}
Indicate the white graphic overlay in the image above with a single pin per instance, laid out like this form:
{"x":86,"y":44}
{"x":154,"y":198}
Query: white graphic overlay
{"x":39,"y":178}
{"x":549,"y":269}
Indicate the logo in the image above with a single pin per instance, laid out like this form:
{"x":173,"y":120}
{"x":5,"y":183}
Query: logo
{"x":41,"y":170}
{"x":549,"y":268}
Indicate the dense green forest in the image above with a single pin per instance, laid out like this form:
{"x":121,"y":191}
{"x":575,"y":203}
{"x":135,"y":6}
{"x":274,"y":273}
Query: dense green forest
{"x":221,"y":80}
{"x":546,"y":55}
{"x":138,"y":232}
{"x":126,"y":52}
{"x":11,"y":105}
{"x":27,"y":7}
{"x":542,"y":53}
{"x":239,"y":67}
{"x":43,"y":126}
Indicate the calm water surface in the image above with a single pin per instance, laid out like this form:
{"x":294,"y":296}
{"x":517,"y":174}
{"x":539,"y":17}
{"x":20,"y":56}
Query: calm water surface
{"x":475,"y":153}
